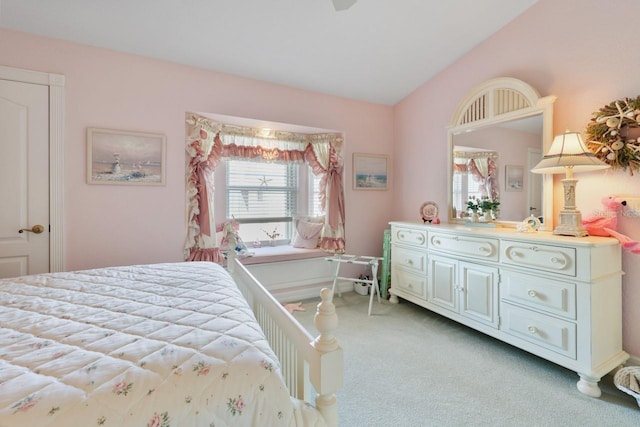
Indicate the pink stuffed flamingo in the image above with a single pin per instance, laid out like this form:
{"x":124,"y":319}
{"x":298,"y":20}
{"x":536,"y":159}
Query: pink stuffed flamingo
{"x":606,"y":225}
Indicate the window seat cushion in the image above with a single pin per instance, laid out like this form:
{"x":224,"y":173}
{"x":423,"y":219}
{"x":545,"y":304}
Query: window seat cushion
{"x":281,"y":253}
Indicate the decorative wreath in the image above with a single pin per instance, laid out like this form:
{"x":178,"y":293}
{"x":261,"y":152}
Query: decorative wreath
{"x":610,"y":137}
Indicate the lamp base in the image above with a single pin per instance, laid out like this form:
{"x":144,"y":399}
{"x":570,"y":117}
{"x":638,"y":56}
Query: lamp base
{"x":570,"y":224}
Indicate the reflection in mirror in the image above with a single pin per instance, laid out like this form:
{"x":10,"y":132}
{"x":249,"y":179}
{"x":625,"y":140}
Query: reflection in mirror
{"x":517,"y":144}
{"x":474,"y":178}
{"x":508,"y":119}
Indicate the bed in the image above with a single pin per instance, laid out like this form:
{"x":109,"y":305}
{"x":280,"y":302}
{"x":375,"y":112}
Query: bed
{"x":175,"y":344}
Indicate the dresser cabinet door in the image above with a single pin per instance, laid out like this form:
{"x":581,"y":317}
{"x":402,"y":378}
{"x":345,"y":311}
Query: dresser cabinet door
{"x":479,"y":293}
{"x":443,"y":282}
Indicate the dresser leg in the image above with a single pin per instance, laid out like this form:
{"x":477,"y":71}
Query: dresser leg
{"x":393,"y":299}
{"x":589,"y":386}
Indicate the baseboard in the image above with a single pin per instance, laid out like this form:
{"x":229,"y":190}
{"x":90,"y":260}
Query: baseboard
{"x":633,"y":361}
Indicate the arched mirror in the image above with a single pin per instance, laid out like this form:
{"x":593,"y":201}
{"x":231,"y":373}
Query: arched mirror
{"x":498,"y":133}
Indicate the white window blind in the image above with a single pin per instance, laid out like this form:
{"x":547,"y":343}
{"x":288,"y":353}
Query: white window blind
{"x":314,"y":192}
{"x":262,"y":197}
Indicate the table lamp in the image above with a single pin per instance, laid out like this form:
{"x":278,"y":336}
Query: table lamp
{"x":569,"y":154}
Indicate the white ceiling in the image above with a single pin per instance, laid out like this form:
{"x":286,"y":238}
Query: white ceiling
{"x":377,"y":50}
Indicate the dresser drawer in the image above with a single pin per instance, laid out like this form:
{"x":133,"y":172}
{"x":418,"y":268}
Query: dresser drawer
{"x":539,"y":293}
{"x":555,"y":259}
{"x":546,"y":331}
{"x":409,"y":236}
{"x":476,"y":247}
{"x":412,"y":283}
{"x":410,"y":259}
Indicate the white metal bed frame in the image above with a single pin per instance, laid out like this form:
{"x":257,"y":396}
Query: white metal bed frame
{"x":305,"y":361}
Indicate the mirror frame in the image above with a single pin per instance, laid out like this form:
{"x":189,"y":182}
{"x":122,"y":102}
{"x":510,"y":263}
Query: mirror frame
{"x":497,"y":101}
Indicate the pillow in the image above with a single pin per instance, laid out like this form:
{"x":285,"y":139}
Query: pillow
{"x":307,"y":233}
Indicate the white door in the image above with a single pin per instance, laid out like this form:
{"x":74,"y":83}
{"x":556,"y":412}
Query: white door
{"x":24,"y":178}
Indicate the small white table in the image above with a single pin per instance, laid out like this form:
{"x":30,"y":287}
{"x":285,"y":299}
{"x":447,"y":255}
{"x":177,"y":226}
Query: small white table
{"x":359,"y":260}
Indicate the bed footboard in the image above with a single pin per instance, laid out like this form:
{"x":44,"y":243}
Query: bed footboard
{"x":305,"y":361}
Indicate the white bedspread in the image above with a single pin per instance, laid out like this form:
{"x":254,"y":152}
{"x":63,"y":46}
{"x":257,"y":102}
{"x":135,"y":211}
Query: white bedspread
{"x":155,"y":345}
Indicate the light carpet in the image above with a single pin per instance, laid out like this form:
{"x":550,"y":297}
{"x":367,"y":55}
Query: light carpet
{"x":407,"y":366}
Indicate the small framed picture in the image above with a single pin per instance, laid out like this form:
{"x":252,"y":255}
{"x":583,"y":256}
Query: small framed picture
{"x":370,"y":171}
{"x":125,"y":157}
{"x":514,"y":178}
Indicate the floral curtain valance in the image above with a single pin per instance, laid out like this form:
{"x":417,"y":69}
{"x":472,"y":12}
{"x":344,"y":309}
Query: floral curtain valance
{"x":209,"y":141}
{"x":473,"y":155}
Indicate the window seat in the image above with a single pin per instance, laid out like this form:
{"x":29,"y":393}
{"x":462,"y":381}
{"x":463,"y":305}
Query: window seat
{"x":291,"y":274}
{"x":268,"y":254}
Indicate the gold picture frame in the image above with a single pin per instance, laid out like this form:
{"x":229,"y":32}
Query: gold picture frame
{"x":119,"y":157}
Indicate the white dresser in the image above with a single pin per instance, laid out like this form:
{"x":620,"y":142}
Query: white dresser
{"x":554,"y":296}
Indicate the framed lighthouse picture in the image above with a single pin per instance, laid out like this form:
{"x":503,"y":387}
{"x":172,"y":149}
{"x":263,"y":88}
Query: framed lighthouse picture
{"x":125,"y":157}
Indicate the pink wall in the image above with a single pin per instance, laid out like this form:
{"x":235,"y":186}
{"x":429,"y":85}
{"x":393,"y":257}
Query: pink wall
{"x":566,"y":48}
{"x":111,"y":225}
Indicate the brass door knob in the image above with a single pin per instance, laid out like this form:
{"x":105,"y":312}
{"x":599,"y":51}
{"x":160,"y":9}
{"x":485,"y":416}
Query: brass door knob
{"x":35,"y":229}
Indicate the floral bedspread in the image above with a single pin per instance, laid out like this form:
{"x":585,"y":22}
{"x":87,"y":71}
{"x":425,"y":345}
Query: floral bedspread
{"x":154,"y":345}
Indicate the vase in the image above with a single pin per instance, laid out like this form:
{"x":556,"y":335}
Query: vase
{"x":474,"y":217}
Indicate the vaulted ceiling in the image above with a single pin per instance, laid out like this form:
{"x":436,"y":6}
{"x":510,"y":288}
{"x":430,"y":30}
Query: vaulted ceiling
{"x":375,"y":50}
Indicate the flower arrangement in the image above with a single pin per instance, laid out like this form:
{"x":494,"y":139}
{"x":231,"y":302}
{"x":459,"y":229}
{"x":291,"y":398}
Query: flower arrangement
{"x":472,"y":204}
{"x":483,"y":206}
{"x":609,"y":134}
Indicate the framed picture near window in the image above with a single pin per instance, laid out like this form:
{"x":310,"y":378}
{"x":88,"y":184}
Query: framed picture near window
{"x":125,"y":157}
{"x":514,"y":178}
{"x":370,"y":171}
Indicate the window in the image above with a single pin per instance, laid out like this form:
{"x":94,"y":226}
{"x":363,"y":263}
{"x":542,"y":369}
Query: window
{"x":264,"y":198}
{"x":314,"y":195}
{"x":465,"y":185}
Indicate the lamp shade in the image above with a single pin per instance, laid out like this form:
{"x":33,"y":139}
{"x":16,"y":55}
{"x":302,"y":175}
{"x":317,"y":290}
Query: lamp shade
{"x":569,"y":151}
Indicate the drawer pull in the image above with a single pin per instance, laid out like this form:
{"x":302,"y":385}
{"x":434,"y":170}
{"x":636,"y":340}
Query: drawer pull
{"x":483,"y":249}
{"x":533,"y":249}
{"x":557,"y":260}
{"x":410,"y":262}
{"x":532,"y":293}
{"x":533,"y":330}
{"x":421,"y":238}
{"x":437,"y":241}
{"x":515,"y":253}
{"x":401,"y":235}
